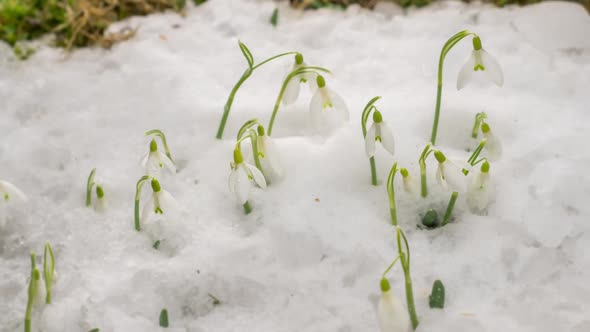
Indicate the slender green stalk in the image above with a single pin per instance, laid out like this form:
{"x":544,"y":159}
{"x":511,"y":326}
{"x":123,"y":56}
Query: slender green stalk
{"x":443,"y":53}
{"x":391,"y":194}
{"x":247,"y":125}
{"x":405,"y":261}
{"x":450,"y":208}
{"x":247,"y":207}
{"x":159,"y":133}
{"x":35,"y":277}
{"x":364,"y":118}
{"x":48,"y":270}
{"x":479,"y":117}
{"x":89,"y":184}
{"x":422,"y":162}
{"x":138,"y":187}
{"x":389,"y":267}
{"x":476,"y":152}
{"x":298,"y":71}
{"x":247,"y":73}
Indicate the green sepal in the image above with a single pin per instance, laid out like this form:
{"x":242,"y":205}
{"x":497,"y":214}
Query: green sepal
{"x":247,"y":54}
{"x":476,"y":43}
{"x":440,"y":157}
{"x":384,"y":284}
{"x":321,"y":81}
{"x":156,"y":185}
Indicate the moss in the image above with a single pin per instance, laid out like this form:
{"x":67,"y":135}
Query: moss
{"x":75,"y":23}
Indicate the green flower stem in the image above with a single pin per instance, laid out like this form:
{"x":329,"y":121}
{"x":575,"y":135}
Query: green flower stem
{"x":230,"y":101}
{"x":247,"y":73}
{"x":479,"y":117}
{"x":391,"y":194}
{"x":364,"y":118}
{"x":422,"y":162}
{"x":389,"y":267}
{"x":247,"y":207}
{"x":298,"y":71}
{"x":35,"y":277}
{"x":405,"y":261}
{"x":476,"y":152}
{"x":252,"y":135}
{"x":89,"y":185}
{"x":247,"y":125}
{"x":138,"y":187}
{"x":373,"y":171}
{"x":48,"y":270}
{"x":443,"y":53}
{"x":450,"y":208}
{"x":159,"y":133}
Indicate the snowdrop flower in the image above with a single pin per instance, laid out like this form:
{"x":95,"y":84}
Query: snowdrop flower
{"x":479,"y":191}
{"x":480,"y":60}
{"x":241,"y":178}
{"x":493,"y":144}
{"x":268,"y":154}
{"x":449,"y":175}
{"x":379,"y":131}
{"x":411,"y":185}
{"x":161,"y":202}
{"x":154,"y":160}
{"x":292,"y":89}
{"x":328,"y":110}
{"x":392,"y":315}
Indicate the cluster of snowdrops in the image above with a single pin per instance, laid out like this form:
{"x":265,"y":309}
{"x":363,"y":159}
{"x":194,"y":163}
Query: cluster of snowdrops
{"x":328,"y":111}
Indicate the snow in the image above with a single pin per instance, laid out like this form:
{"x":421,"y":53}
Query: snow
{"x":310,"y":255}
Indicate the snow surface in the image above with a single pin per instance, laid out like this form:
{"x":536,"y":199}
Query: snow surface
{"x":310,"y":255}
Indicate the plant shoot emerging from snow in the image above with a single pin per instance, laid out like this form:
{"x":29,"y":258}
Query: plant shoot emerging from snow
{"x":91,"y":183}
{"x":160,"y":202}
{"x":242,"y":177}
{"x":479,"y":61}
{"x":378,"y":132}
{"x":247,"y":73}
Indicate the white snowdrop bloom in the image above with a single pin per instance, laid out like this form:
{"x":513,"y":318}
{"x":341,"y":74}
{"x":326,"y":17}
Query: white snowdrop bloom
{"x":292,"y":89}
{"x":154,"y":160}
{"x":411,"y":185}
{"x":479,"y":191}
{"x":328,"y":110}
{"x":9,"y":191}
{"x":161,"y":202}
{"x":242,"y":176}
{"x":480,"y":60}
{"x":449,"y":174}
{"x":392,"y":315}
{"x":268,"y":154}
{"x":493,"y":145}
{"x":40,"y":292}
{"x":379,"y":131}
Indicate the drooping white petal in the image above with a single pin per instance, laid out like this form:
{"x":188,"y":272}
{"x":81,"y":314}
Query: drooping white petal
{"x":100,"y":205}
{"x":168,"y":204}
{"x":387,"y":138}
{"x":7,"y":188}
{"x":338,"y":105}
{"x":167,"y":162}
{"x":242,"y":184}
{"x":291,"y":91}
{"x":152,"y":166}
{"x":315,"y":109}
{"x":493,"y":146}
{"x":144,"y":159}
{"x":478,"y":194}
{"x":256,"y":175}
{"x":392,"y":315}
{"x":411,"y":185}
{"x":492,"y":68}
{"x":270,"y":158}
{"x":466,"y":72}
{"x":40,"y":292}
{"x":440,"y":176}
{"x":370,"y":141}
{"x":233,"y":181}
{"x":148,"y":210}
